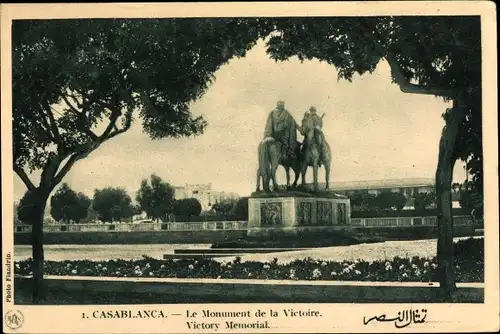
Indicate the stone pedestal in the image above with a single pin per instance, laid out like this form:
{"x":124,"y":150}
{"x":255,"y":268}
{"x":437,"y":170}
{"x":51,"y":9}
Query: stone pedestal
{"x":294,"y":214}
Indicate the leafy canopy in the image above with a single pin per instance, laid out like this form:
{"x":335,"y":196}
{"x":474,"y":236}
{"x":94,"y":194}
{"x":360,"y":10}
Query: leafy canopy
{"x":186,"y":208}
{"x":26,"y":210}
{"x":67,"y":205}
{"x":156,"y":197}
{"x":112,"y":204}
{"x":435,"y":55}
{"x":225,"y":206}
{"x":78,"y":83}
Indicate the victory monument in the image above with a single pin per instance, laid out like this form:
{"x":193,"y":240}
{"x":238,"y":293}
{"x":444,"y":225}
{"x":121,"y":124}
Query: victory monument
{"x":294,"y":210}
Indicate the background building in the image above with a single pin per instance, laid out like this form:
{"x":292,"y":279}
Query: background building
{"x":203,"y":193}
{"x":406,"y":186}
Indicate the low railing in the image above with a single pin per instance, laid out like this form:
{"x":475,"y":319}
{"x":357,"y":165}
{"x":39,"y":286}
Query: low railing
{"x":233,"y":225}
{"x":139,"y":227}
{"x":407,"y":221}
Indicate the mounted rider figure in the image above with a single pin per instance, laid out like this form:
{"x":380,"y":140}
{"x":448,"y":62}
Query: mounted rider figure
{"x":318,"y":129}
{"x":282,"y":127}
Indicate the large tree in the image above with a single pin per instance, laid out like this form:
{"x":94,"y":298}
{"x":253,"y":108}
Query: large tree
{"x":186,"y":208}
{"x":156,"y":198}
{"x":25,"y":210}
{"x":240,"y":209}
{"x":388,"y":200}
{"x":225,"y":206}
{"x":68,"y":205}
{"x":112,"y":204}
{"x":471,"y":198}
{"x":423,"y":201}
{"x":433,"y":55}
{"x":80,"y":83}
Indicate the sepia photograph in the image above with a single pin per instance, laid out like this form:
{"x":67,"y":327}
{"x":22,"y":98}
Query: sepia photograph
{"x":251,"y":171}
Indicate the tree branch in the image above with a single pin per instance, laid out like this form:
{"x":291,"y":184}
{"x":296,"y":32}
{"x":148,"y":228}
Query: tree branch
{"x":82,"y":152}
{"x":78,"y":104}
{"x":87,"y":131}
{"x":112,"y":124}
{"x":407,"y":87}
{"x":50,"y":170}
{"x":397,"y":73}
{"x":24,"y":177}
{"x":87,"y":101}
{"x":52,"y":123}
{"x":117,"y":132}
{"x":62,"y":173}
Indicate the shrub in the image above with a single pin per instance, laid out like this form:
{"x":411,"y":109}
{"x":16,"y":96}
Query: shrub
{"x":469,"y":264}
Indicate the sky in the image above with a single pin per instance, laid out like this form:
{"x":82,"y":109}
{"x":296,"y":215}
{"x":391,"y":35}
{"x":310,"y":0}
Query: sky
{"x":375,"y":131}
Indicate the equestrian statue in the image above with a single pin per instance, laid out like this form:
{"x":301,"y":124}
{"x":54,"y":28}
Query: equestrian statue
{"x":315,"y":149}
{"x":280,"y":147}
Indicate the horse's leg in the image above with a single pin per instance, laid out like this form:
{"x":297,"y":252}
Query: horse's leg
{"x":274,"y":168}
{"x":296,"y":171}
{"x":274,"y":159}
{"x":287,"y":169}
{"x":258,"y":180}
{"x":327,"y":174}
{"x":328,"y":163}
{"x":304,"y":171}
{"x":315,"y":174}
{"x":265,"y":183}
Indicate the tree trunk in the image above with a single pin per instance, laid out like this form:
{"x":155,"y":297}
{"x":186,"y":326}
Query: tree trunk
{"x":444,"y":177}
{"x":37,"y":246}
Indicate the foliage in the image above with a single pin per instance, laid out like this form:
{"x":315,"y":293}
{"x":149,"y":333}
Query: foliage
{"x":361,"y":201}
{"x":137,"y":209}
{"x":240,"y":209}
{"x":92,"y":215}
{"x":434,"y":52}
{"x":72,"y":76}
{"x":423,"y":201}
{"x":391,"y":200}
{"x":224,"y":207}
{"x":383,"y":201}
{"x":156,"y":198}
{"x":471,"y":198}
{"x":469,"y":263}
{"x":186,"y":208}
{"x":67,"y":205}
{"x":26,"y":211}
{"x":79,"y":83}
{"x":16,"y":218}
{"x":236,"y":208}
{"x":433,"y":55}
{"x":112,"y":204}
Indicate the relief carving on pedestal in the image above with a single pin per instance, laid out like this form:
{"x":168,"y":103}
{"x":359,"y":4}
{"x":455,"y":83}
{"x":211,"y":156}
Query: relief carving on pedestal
{"x":304,"y":213}
{"x":341,"y":214}
{"x":325,"y":213}
{"x":271,"y":214}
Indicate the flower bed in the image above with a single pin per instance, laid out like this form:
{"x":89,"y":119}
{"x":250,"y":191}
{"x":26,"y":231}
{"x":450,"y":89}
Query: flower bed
{"x":469,"y":264}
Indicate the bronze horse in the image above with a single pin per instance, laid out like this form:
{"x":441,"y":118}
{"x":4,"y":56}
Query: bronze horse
{"x":311,"y":151}
{"x":270,"y":156}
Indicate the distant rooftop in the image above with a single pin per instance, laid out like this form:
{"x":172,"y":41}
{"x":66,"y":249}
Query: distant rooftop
{"x":381,"y":184}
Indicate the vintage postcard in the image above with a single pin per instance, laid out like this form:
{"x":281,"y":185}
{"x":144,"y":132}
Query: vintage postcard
{"x":277,"y":167}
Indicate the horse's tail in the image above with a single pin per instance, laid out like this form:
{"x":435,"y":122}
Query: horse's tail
{"x":264,"y":160}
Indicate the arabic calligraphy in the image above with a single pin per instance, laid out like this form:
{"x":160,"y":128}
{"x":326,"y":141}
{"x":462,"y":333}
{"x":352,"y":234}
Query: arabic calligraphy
{"x":404,"y":318}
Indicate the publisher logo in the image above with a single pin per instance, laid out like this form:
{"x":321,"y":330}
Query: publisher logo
{"x":14,"y":319}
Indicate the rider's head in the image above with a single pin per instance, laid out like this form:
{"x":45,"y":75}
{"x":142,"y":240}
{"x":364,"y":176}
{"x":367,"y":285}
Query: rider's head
{"x":280,"y":105}
{"x":312,"y":110}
